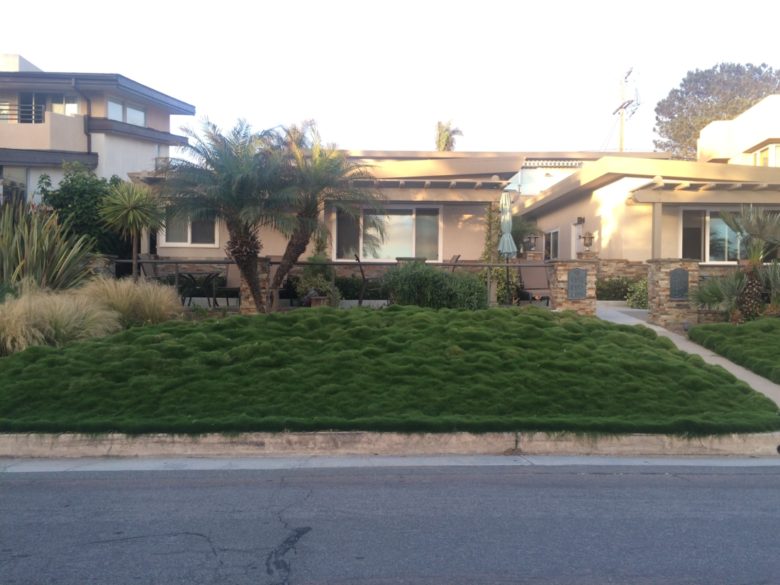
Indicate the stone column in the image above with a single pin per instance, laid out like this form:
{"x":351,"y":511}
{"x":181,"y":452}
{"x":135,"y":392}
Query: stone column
{"x":670,"y":284}
{"x":534,"y":255}
{"x":247,"y":302}
{"x":573,"y":285}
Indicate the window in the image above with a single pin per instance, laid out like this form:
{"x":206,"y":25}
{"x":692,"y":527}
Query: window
{"x":762,"y":157}
{"x":120,"y":112}
{"x":135,"y":116}
{"x":551,"y":245}
{"x":13,"y":184}
{"x":115,"y":111}
{"x":408,"y":232}
{"x":706,"y":237}
{"x":67,"y":105}
{"x":179,"y":231}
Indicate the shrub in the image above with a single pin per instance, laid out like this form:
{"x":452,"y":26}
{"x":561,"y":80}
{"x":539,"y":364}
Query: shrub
{"x":349,"y":287}
{"x":317,"y":283}
{"x":36,"y":246}
{"x":636,"y":298}
{"x":721,"y":292}
{"x":423,"y":285}
{"x":138,"y":303}
{"x":47,"y":318}
{"x":612,"y":289}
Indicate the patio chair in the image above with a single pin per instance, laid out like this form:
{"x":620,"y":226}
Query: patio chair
{"x":534,"y":283}
{"x":454,"y":261}
{"x":223,"y":291}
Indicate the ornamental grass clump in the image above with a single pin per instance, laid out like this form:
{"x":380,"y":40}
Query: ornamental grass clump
{"x":46,"y":318}
{"x":137,"y":303}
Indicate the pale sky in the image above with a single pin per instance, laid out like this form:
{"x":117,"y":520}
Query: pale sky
{"x":378,"y":74}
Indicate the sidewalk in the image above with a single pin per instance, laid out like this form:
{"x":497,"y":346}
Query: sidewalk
{"x":627,"y":316}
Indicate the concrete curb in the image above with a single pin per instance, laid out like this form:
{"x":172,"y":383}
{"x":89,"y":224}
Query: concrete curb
{"x":368,"y":443}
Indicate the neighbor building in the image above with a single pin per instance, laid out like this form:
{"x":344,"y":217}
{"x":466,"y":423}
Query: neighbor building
{"x":105,"y":121}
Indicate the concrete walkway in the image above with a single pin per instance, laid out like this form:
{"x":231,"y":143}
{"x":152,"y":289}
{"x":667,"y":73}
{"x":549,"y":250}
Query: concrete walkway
{"x":627,"y":316}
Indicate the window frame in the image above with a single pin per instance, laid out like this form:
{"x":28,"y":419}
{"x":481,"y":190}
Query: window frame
{"x":708,"y":210}
{"x":125,"y":105}
{"x":547,"y":234}
{"x":162,"y":242}
{"x":395,"y":206}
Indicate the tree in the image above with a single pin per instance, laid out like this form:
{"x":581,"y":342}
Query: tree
{"x":719,"y":93}
{"x":521,"y":229}
{"x":129,"y":209}
{"x":445,"y":136}
{"x":319,"y":175}
{"x":232,"y":177}
{"x":77,"y":200}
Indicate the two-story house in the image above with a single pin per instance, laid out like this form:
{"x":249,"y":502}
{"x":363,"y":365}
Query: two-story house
{"x":107,"y":122}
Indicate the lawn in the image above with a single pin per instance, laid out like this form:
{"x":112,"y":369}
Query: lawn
{"x":397,"y":369}
{"x":754,"y":345}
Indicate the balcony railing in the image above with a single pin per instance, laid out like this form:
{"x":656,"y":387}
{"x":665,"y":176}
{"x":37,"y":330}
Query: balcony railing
{"x":23,"y":113}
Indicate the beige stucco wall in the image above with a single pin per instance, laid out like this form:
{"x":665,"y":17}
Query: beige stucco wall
{"x":58,"y":132}
{"x":621,"y":231}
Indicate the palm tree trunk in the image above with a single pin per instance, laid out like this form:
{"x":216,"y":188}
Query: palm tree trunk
{"x":244,"y":248}
{"x":134,"y":245}
{"x":296,"y":246}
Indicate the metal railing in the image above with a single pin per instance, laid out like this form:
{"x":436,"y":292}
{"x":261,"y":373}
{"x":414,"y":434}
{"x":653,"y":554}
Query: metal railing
{"x":23,"y":113}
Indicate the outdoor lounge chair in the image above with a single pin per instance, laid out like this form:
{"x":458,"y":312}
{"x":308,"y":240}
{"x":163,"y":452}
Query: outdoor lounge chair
{"x":534,"y":283}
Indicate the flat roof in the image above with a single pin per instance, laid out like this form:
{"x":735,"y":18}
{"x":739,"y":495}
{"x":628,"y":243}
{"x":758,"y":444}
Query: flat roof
{"x":46,"y":80}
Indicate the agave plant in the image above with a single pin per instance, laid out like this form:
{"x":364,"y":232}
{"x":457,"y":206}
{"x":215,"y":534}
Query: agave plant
{"x":36,"y":246}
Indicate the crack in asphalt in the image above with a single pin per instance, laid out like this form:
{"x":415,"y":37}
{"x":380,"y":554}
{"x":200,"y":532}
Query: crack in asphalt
{"x":276,"y":565}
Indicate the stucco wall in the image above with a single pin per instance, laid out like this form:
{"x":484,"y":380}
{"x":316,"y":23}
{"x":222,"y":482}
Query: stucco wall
{"x":58,"y":132}
{"x":119,"y":156}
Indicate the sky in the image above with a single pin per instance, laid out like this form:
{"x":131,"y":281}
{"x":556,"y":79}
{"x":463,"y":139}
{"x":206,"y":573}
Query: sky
{"x":378,"y":75}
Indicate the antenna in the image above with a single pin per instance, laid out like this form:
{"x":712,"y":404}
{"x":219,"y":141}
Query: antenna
{"x":626,"y":107}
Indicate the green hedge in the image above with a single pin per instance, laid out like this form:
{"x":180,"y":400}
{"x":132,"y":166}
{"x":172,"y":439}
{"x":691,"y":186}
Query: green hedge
{"x":426,"y":286}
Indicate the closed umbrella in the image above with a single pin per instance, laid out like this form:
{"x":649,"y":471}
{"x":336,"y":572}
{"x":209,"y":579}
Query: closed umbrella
{"x":506,"y":245}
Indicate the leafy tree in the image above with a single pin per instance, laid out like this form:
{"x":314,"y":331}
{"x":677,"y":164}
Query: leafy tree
{"x":319,"y":174}
{"x":719,"y":93}
{"x":77,"y":200}
{"x":521,"y":229}
{"x":233,"y":177}
{"x":445,"y":136}
{"x":129,"y":209}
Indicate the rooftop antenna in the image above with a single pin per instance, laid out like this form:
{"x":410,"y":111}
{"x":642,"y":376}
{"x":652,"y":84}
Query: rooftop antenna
{"x":626,"y":109}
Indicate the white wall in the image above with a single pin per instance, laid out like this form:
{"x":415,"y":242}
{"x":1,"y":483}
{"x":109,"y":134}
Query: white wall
{"x":119,"y":156}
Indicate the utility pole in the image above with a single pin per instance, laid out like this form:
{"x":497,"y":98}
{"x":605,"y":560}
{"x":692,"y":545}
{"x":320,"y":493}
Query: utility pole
{"x":625,"y":104}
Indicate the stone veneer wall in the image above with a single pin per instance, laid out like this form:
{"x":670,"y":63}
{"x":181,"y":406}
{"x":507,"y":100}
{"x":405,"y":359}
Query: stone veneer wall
{"x":558,"y":272}
{"x":633,"y":269}
{"x":662,"y":309}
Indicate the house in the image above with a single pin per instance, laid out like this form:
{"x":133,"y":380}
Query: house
{"x":638,"y":209}
{"x":435,"y":205}
{"x":105,"y":121}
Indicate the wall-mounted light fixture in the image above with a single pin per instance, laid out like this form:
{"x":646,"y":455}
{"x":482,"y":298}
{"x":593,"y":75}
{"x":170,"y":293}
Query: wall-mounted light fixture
{"x":587,"y":240}
{"x":530,"y":242}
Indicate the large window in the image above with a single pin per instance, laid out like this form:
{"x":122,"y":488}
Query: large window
{"x":408,"y":232}
{"x":179,"y":231}
{"x":13,"y":184}
{"x":120,"y":112}
{"x":551,"y":245}
{"x":706,"y":237}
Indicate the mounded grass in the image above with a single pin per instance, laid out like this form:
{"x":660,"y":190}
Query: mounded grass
{"x":141,"y":302}
{"x":398,"y":369}
{"x":754,"y":345}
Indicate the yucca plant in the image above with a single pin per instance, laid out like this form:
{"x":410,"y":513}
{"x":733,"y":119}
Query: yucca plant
{"x":36,"y":246}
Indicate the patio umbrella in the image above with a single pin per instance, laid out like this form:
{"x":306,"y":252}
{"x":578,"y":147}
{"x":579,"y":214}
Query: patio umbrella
{"x":506,"y":245}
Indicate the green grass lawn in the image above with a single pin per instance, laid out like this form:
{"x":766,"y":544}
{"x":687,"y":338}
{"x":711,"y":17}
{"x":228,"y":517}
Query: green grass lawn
{"x":754,"y":345}
{"x":398,"y":369}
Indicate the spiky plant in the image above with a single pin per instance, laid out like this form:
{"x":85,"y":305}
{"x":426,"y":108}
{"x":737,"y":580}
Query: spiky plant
{"x":36,"y":246}
{"x":129,"y":209}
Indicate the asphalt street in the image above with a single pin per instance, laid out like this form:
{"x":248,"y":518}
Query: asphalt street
{"x":580,"y":521}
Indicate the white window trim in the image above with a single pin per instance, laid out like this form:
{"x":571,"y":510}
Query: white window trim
{"x":162,"y":243}
{"x":412,"y":206}
{"x":707,"y":209}
{"x":544,"y":242}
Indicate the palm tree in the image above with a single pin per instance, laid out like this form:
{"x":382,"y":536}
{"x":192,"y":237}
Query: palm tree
{"x":758,"y":230}
{"x":320,"y":175}
{"x":445,"y":136}
{"x":129,"y":209}
{"x":229,"y":177}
